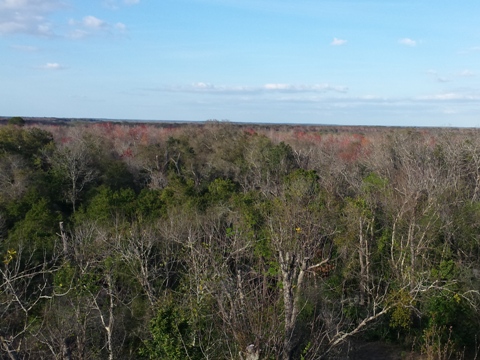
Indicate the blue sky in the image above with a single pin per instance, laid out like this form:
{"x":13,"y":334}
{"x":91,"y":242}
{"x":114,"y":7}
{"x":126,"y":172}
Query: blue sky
{"x":375,"y":62}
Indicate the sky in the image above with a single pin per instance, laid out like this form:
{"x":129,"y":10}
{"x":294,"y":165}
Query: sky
{"x":358,"y":62}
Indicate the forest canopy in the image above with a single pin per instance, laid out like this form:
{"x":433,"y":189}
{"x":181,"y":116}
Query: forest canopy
{"x":226,"y":241}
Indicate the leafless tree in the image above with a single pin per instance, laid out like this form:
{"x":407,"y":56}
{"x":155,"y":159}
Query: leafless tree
{"x":24,"y":289}
{"x":14,"y":177}
{"x":73,"y":161}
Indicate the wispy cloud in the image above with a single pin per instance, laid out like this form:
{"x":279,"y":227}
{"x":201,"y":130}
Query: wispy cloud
{"x":472,"y":49}
{"x":93,"y":22}
{"x":451,"y":96}
{"x":408,"y":42}
{"x":203,"y":87}
{"x":466,"y":73}
{"x":52,"y":66}
{"x":338,"y":42}
{"x":443,"y":79}
{"x":115,"y":4}
{"x":34,"y":17}
{"x":437,"y":77}
{"x":456,"y":95}
{"x":27,"y":16}
{"x":91,"y":25}
{"x":304,"y":88}
{"x":24,"y":48}
{"x":120,"y":27}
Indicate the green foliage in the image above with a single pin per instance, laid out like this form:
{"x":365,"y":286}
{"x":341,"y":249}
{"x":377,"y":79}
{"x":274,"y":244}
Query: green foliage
{"x":438,"y":345}
{"x":374,"y":183}
{"x":227,"y":206}
{"x":89,"y":282}
{"x":36,"y":231}
{"x":116,"y":175}
{"x":64,"y":277}
{"x":400,"y":315}
{"x":445,"y":271}
{"x":305,"y":350}
{"x":221,"y":190}
{"x":109,"y":204}
{"x":466,"y":221}
{"x":301,"y":186}
{"x":450,"y":312}
{"x":149,"y":205}
{"x":26,"y":142}
{"x":181,"y":158}
{"x":16,"y":120}
{"x":172,"y":336}
{"x":280,"y":157}
{"x":9,"y":256}
{"x":181,"y":192}
{"x":267,"y":163}
{"x":251,"y":208}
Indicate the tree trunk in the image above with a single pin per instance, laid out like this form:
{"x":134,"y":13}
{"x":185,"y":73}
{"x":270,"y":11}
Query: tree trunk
{"x":66,"y":353}
{"x":7,"y":346}
{"x":292,"y":276}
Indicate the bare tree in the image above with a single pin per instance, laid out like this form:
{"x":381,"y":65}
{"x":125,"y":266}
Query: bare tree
{"x":24,"y":289}
{"x":74,"y":162}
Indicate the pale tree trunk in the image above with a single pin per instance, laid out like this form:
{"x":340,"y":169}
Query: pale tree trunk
{"x":109,"y":328}
{"x":252,"y":353}
{"x":66,"y":353}
{"x":107,"y":323}
{"x":8,"y":348}
{"x":293,"y":276}
{"x":75,"y":162}
{"x":364,"y":258}
{"x":289,"y":274}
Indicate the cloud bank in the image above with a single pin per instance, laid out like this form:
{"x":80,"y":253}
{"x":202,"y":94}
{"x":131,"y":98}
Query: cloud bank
{"x":33,"y":17}
{"x":27,"y":16}
{"x":202,"y":87}
{"x":91,"y":25}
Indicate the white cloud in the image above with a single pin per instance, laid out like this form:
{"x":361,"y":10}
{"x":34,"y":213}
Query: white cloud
{"x":276,"y":86}
{"x":78,"y":34}
{"x":34,"y":17}
{"x":466,"y":73}
{"x":338,"y":42}
{"x":202,"y":85}
{"x":52,"y":66}
{"x":265,"y":89}
{"x":450,"y":96}
{"x":121,"y":26}
{"x":304,"y":88}
{"x":408,"y":42}
{"x":27,"y":16}
{"x":92,"y":22}
{"x":32,"y":5}
{"x":91,"y":25}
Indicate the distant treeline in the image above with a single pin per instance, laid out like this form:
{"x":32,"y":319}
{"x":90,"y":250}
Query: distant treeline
{"x":214,"y":240}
